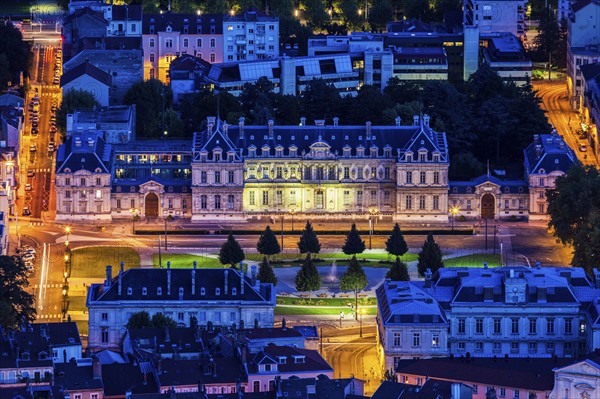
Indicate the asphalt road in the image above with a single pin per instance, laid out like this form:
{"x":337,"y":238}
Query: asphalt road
{"x":566,"y":121}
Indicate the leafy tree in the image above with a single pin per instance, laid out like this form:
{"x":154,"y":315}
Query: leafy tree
{"x":574,"y":209}
{"x":5,"y":74}
{"x":16,"y":304}
{"x":257,"y":101}
{"x":16,"y":52}
{"x":403,"y":91}
{"x":231,"y":253}
{"x":430,"y":256}
{"x":309,"y":242}
{"x":550,"y":36}
{"x":464,"y":166}
{"x":355,"y":280}
{"x":139,"y":319}
{"x":366,"y":106}
{"x":314,"y":13}
{"x":491,"y":393}
{"x":195,"y":108}
{"x":267,"y":243}
{"x":349,"y":10}
{"x":398,"y":271}
{"x":390,"y":375}
{"x":396,"y":244}
{"x":266,"y":273}
{"x":380,"y":14}
{"x":159,"y":320}
{"x":73,"y":100}
{"x":150,"y":98}
{"x":319,"y":100}
{"x":308,"y":278}
{"x":353,"y":244}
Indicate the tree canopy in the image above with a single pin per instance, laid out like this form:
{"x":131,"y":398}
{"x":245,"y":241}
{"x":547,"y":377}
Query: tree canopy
{"x":73,"y":100}
{"x":231,"y":253}
{"x":430,"y":256}
{"x":266,"y":273}
{"x":267,"y":243}
{"x":353,"y":244}
{"x":16,"y":304}
{"x":354,"y":279}
{"x":398,"y":271}
{"x":574,"y":209}
{"x":309,"y":242}
{"x":15,"y":55}
{"x":308,"y":278}
{"x":396,"y":244}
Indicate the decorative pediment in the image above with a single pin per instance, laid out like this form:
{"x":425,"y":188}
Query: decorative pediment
{"x":487,"y":187}
{"x":320,"y":150}
{"x":152,"y":187}
{"x":584,"y":386}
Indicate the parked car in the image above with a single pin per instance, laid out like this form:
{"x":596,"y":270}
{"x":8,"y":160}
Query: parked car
{"x":32,"y":148}
{"x":30,"y":172}
{"x":583,"y":148}
{"x":28,"y":187}
{"x":50,"y":147}
{"x":26,"y":211}
{"x":28,"y":257}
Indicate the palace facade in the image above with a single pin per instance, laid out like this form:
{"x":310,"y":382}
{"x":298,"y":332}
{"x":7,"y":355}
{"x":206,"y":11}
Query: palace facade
{"x":235,"y":173}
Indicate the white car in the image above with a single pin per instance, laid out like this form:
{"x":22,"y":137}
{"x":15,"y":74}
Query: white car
{"x":32,"y":148}
{"x":28,"y":187}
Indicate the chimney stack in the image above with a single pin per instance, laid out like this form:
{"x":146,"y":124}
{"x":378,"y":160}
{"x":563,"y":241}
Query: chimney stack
{"x":302,"y":121}
{"x":398,"y":120}
{"x":225,"y":129}
{"x":428,"y":276}
{"x":426,"y":119}
{"x":415,"y":120}
{"x":108,"y":277}
{"x":121,"y":270}
{"x":241,"y":126}
{"x":210,"y":123}
{"x":242,"y":281}
{"x":336,"y":121}
{"x":253,"y":274}
{"x":96,"y":368}
{"x":194,"y":279}
{"x":169,"y":278}
{"x":226,"y":283}
{"x":368,"y":125}
{"x":271,"y":129}
{"x":597,"y":278}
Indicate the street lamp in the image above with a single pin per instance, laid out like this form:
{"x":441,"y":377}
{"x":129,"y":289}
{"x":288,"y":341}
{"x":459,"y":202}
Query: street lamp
{"x":372,"y":213}
{"x":167,"y":219}
{"x":341,"y":317}
{"x":362,"y":311}
{"x":292,"y":211}
{"x":454,"y":211}
{"x":67,"y":231}
{"x":134,"y":217}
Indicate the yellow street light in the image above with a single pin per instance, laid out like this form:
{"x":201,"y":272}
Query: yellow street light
{"x":454,"y":211}
{"x":296,"y":13}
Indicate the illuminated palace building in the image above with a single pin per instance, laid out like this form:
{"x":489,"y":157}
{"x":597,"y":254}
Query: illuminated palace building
{"x":318,"y":171}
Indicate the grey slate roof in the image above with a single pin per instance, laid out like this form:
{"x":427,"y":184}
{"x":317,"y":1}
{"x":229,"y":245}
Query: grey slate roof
{"x":209,"y":370}
{"x":71,"y":376}
{"x":85,"y":68}
{"x":119,"y":378}
{"x":401,"y":302}
{"x":178,"y":22}
{"x":131,"y":12}
{"x":92,"y":153}
{"x":548,"y":152}
{"x":506,"y":186}
{"x":210,"y":279}
{"x":400,"y":138}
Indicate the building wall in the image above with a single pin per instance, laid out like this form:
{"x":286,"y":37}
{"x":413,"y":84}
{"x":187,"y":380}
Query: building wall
{"x":161,"y":48}
{"x":250,"y":40}
{"x":63,"y":354}
{"x":539,"y":183}
{"x":83,"y":196}
{"x":87,"y":83}
{"x":266,"y":379}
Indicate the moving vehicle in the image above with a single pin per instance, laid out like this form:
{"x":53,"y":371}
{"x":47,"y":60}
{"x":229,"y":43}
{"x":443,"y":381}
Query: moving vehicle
{"x":30,"y":172}
{"x":26,"y":211}
{"x":28,"y":187}
{"x":582,"y":148}
{"x":32,"y":148}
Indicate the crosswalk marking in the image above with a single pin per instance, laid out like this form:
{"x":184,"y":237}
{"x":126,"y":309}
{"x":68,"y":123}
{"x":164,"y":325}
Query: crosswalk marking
{"x":36,"y":223}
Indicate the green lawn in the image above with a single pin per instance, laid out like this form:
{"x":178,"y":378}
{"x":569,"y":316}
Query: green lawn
{"x":315,"y":310}
{"x":91,"y":262}
{"x":369,"y":259}
{"x":316,"y":301}
{"x":184,"y":261}
{"x":475,"y":260}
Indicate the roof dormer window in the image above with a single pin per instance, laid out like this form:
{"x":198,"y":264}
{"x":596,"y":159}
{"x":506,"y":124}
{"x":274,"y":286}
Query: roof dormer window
{"x":234,"y":291}
{"x":202,"y":291}
{"x":159,"y":291}
{"x":129,"y":291}
{"x":144,"y":291}
{"x":409,"y":157}
{"x":217,"y":291}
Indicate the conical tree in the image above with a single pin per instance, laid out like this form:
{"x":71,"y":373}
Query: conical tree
{"x":267,"y":243}
{"x":353,"y":244}
{"x":308,"y":278}
{"x":309,"y":242}
{"x":398,"y":271}
{"x":231,"y":253}
{"x":396,"y":244}
{"x":266,"y":273}
{"x":355,"y":280}
{"x":430,"y":256}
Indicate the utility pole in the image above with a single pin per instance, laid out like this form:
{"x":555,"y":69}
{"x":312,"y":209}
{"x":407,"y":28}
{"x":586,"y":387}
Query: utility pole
{"x":282,"y":232}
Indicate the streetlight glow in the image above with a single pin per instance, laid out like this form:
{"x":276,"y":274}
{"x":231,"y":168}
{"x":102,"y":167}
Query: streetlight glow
{"x":454,"y":211}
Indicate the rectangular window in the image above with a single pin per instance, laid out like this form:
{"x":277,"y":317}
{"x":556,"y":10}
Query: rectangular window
{"x":279,"y":172}
{"x":98,"y":181}
{"x":416,"y":339}
{"x":98,"y":194}
{"x":533,"y":347}
{"x":346,"y":197}
{"x":132,"y":203}
{"x":230,"y":201}
{"x":230,"y":176}
{"x":170,"y":203}
{"x":514,"y":323}
{"x":151,"y":42}
{"x":265,"y":198}
{"x":397,"y":340}
{"x":532,"y":326}
{"x":279,"y":197}
{"x":497,"y":347}
{"x":478,"y":346}
{"x":180,"y":316}
{"x":169,"y":43}
{"x":478,"y":326}
{"x":436,"y":177}
{"x":497,"y":326}
{"x":203,"y":202}
{"x":183,"y":203}
{"x":436,"y":202}
{"x":568,"y":326}
{"x":67,"y":181}
{"x":217,"y":201}
{"x":408,"y":202}
{"x":68,"y":195}
{"x":104,"y":316}
{"x":185,"y":42}
{"x":408,"y":177}
{"x":462,"y":323}
{"x":346,"y":172}
{"x":421,"y":202}
{"x":373,"y":197}
{"x":118,"y":204}
{"x":502,"y":392}
{"x":359,"y":198}
{"x":462,"y":346}
{"x":293,"y":197}
{"x":422,"y":177}
{"x":82,"y":181}
{"x":203,"y":177}
{"x":550,"y":326}
{"x":198,"y":42}
{"x":386,"y":197}
{"x":217,"y":176}
{"x":468,"y":205}
{"x":104,"y":335}
{"x":252,"y":199}
{"x":435,"y":340}
{"x":386,"y":173}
